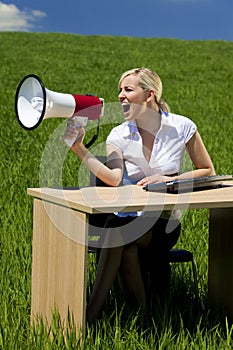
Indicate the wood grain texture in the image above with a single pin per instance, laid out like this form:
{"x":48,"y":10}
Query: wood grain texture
{"x":59,"y":263}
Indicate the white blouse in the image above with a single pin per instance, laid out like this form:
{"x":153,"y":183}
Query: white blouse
{"x":167,"y":153}
{"x":168,"y":149}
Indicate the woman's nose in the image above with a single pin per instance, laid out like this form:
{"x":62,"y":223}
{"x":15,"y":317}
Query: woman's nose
{"x":121,"y":95}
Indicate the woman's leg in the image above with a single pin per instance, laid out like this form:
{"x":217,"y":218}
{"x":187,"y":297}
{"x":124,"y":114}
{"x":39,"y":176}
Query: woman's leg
{"x":109,"y":264}
{"x":162,"y":241}
{"x":131,"y":279}
{"x":107,"y":270}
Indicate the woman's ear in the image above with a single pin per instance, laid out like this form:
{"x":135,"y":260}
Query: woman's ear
{"x":150,"y":96}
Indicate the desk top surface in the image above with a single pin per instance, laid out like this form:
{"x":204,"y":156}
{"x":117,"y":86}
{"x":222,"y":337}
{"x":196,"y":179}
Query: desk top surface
{"x":133,"y":198}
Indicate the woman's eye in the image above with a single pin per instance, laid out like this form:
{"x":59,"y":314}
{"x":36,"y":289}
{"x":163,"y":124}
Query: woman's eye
{"x":126,"y":89}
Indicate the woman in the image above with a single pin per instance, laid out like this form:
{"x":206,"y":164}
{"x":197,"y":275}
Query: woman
{"x":145,"y":149}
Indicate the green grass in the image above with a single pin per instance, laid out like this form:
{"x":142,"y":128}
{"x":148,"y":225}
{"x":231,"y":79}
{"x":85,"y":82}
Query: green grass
{"x":198,"y":82}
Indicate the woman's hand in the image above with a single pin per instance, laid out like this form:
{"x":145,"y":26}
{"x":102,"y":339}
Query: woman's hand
{"x":74,"y":133}
{"x":153,"y":179}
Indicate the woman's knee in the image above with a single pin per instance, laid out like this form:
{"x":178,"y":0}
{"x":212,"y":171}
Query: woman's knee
{"x":130,"y":253}
{"x":111,"y":238}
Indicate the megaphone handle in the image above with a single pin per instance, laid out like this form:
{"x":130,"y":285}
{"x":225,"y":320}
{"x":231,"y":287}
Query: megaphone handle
{"x":75,"y":124}
{"x":70,"y":141}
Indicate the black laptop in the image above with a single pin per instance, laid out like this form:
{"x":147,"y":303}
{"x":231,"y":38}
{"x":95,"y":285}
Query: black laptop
{"x":190,"y":184}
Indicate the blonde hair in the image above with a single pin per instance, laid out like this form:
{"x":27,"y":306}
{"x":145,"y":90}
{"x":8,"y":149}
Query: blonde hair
{"x":149,"y":80}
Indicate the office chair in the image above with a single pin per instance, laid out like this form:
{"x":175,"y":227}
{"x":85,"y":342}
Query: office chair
{"x":183,"y":256}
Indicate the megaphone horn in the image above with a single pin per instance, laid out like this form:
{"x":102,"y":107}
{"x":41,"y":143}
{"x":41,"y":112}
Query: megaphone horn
{"x":33,"y":103}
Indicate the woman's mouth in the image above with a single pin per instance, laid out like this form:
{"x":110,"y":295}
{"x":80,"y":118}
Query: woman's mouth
{"x":125,"y":107}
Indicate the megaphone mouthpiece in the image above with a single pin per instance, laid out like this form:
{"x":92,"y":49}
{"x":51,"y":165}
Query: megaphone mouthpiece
{"x":33,"y":103}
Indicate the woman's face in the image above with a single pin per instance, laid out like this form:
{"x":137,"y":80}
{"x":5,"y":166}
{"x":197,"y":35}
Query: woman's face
{"x":132,"y":97}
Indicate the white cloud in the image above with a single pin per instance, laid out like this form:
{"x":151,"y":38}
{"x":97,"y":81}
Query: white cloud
{"x":13,"y":19}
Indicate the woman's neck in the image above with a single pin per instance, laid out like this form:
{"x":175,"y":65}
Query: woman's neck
{"x":149,"y":123}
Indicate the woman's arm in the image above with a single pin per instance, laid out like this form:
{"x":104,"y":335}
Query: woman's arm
{"x":200,"y":158}
{"x":111,"y":174}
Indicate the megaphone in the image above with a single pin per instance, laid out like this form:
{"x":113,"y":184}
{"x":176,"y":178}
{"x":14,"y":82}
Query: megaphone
{"x":33,"y":103}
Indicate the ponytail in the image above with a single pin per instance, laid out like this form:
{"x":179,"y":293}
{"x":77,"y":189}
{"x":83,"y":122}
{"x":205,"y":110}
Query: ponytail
{"x":163,"y":105}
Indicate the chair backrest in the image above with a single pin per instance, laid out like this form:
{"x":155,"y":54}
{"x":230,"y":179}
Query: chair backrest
{"x":94,"y":181}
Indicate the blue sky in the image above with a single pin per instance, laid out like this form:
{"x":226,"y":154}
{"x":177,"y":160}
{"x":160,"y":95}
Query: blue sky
{"x":182,"y":19}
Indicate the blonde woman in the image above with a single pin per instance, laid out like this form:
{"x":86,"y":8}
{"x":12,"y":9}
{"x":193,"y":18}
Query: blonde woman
{"x":146,"y":148}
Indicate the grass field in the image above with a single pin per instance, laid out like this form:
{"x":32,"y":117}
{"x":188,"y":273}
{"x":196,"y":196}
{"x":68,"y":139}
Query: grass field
{"x":198,"y":82}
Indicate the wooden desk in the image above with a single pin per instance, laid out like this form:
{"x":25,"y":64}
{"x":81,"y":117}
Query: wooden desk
{"x":60,"y":233}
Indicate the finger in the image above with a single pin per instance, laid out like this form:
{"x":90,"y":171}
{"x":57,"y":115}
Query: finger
{"x":143,"y":181}
{"x":72,"y":137}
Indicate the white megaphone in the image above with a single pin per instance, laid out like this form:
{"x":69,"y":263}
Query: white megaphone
{"x":33,"y":103}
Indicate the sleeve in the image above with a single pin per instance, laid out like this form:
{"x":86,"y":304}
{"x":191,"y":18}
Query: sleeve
{"x":114,"y":139}
{"x":189,"y":129}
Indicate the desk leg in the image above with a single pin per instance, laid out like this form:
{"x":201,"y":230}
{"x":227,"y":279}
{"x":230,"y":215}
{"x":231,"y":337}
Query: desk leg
{"x":59,"y":258}
{"x":221,"y":260}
